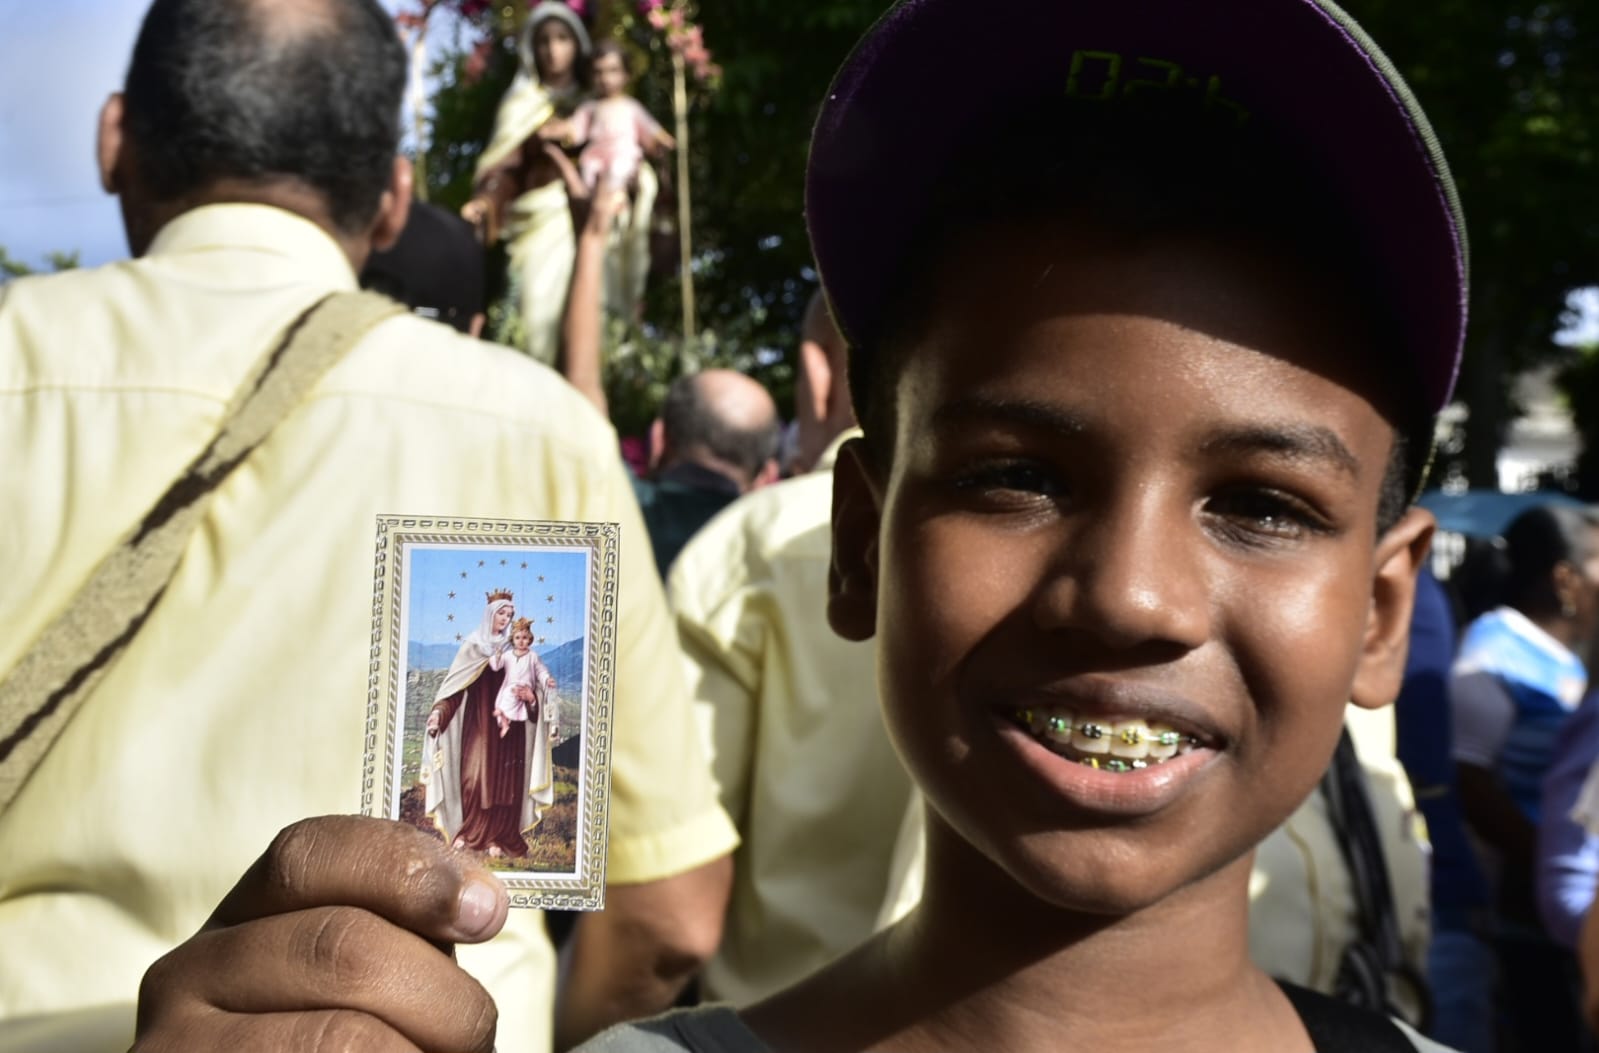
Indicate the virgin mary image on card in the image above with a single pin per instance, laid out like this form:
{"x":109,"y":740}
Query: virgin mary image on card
{"x":486,"y":752}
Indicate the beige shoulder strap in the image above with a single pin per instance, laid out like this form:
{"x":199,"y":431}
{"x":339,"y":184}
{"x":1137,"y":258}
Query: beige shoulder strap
{"x":44,"y":690}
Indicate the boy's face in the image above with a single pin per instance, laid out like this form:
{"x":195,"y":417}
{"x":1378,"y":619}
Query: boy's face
{"x":521,"y":640}
{"x":1127,"y":484}
{"x":609,"y":76}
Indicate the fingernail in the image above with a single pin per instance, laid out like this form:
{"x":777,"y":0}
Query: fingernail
{"x":480,"y":908}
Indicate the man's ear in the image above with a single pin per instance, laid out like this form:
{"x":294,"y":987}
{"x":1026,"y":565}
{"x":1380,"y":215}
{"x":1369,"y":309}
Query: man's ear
{"x":1568,"y":586}
{"x":857,"y":516}
{"x":770,"y":473}
{"x":109,"y":144}
{"x":1400,"y":555}
{"x":657,"y":449}
{"x":395,"y":206}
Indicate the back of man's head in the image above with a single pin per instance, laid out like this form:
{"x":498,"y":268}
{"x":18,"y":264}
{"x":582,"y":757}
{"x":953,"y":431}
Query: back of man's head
{"x":725,"y":415}
{"x":264,"y":91}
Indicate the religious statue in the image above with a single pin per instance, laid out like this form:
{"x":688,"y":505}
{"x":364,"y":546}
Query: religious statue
{"x":521,"y":198}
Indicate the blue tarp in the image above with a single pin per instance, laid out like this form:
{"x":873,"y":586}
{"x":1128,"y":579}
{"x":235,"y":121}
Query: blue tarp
{"x":1486,"y":513}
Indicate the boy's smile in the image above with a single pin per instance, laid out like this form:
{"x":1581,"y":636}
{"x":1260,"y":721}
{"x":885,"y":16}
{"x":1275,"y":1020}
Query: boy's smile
{"x":1133,"y":490}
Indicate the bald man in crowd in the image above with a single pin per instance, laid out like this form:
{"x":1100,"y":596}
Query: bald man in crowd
{"x":718,"y":432}
{"x":716,"y":438}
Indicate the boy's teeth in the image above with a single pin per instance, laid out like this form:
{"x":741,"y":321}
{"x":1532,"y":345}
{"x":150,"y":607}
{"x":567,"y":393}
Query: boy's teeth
{"x":1163,"y":744}
{"x":1057,"y":727}
{"x":1129,"y":739}
{"x":1091,"y":736}
{"x":1108,"y":745}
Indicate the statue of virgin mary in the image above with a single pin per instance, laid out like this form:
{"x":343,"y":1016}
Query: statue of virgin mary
{"x":520,"y":197}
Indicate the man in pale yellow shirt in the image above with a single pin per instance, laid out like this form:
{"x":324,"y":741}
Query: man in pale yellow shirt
{"x":254,"y":155}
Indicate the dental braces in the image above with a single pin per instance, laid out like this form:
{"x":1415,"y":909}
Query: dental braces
{"x":1132,"y":736}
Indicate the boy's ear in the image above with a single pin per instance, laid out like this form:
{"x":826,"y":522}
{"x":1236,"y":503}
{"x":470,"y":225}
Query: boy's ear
{"x":1400,"y":554}
{"x":852,"y":575}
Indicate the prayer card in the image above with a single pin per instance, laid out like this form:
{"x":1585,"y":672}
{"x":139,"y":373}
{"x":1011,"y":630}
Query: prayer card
{"x":489,"y":696}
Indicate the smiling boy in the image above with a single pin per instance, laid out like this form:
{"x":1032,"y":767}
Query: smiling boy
{"x":1145,"y":346}
{"x":1143,"y":406}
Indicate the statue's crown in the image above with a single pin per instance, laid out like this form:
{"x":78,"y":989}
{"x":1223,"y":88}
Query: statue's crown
{"x":500,"y":594}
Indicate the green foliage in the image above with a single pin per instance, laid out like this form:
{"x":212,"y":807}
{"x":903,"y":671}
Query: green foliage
{"x":778,"y":60}
{"x":10,"y":267}
{"x":1512,"y":87}
{"x":463,"y":120}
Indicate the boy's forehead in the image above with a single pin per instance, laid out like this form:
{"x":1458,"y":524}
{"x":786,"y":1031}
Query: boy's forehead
{"x":1008,"y":303}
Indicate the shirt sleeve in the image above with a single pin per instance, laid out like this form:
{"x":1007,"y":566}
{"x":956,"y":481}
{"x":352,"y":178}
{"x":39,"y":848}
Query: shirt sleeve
{"x":721,"y":635}
{"x":664,"y":817}
{"x":1568,"y":855}
{"x":1483,"y":712}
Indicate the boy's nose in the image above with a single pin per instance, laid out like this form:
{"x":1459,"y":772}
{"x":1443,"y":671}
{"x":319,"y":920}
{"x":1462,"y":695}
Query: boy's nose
{"x":1128,"y":575}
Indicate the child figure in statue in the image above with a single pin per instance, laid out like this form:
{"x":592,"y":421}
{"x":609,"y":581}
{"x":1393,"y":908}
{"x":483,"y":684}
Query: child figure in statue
{"x":616,"y":129}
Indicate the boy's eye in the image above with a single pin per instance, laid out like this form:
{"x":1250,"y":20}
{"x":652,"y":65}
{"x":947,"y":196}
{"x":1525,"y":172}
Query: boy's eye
{"x":1011,"y":479}
{"x":1261,"y":514}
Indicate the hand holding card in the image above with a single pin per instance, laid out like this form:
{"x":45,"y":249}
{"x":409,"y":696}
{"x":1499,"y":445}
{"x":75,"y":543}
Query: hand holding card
{"x":331,"y":939}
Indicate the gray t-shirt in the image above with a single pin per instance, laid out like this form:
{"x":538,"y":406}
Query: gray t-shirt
{"x":707,"y":1029}
{"x":718,"y":1029}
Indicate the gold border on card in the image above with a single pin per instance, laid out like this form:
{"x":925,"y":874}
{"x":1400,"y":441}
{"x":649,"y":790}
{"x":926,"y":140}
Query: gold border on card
{"x":584,"y":889}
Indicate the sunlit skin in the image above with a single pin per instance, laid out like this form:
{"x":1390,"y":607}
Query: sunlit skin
{"x":1133,"y":479}
{"x":502,"y":618}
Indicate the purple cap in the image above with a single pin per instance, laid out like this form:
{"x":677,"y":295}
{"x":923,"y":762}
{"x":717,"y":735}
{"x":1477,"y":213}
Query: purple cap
{"x":896,"y":113}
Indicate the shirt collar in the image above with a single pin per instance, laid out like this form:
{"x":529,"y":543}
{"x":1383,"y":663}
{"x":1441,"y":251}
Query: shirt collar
{"x":261,"y":228}
{"x":829,"y":456}
{"x":1536,"y":635}
{"x":693,"y":476}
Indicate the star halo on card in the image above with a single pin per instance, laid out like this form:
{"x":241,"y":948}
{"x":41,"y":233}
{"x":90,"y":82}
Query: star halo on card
{"x":489,"y":696}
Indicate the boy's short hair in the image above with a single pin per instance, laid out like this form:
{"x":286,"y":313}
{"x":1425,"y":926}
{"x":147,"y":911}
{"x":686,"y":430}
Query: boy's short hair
{"x":1278,"y":121}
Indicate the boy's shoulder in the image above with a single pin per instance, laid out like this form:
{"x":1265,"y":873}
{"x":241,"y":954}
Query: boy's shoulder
{"x":1338,"y":1027}
{"x":705,"y":1029}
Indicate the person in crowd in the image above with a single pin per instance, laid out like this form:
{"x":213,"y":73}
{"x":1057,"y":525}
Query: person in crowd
{"x":1568,"y":854}
{"x":1129,"y":521}
{"x":821,"y":386}
{"x":1460,"y":968}
{"x":789,"y":712}
{"x":1585,"y":813}
{"x":1516,"y":680}
{"x":435,"y":269}
{"x":717,"y":433}
{"x":253,"y":154}
{"x":716,"y":438}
